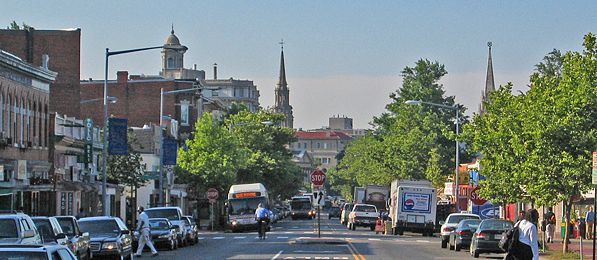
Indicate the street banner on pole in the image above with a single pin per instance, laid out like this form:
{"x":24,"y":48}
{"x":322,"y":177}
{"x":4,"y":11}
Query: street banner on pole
{"x":594,"y":175}
{"x":118,"y":136}
{"x":170,"y":148}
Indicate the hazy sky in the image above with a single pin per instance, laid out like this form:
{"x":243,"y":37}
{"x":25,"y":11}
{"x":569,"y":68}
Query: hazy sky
{"x":342,"y":57}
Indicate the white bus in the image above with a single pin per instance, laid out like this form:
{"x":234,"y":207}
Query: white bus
{"x":242,"y":203}
{"x":302,"y":207}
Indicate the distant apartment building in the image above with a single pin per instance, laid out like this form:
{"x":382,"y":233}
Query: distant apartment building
{"x":344,"y":124}
{"x":322,"y":145}
{"x":24,"y":134}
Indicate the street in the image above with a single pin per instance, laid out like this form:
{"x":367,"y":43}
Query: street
{"x":284,"y":242}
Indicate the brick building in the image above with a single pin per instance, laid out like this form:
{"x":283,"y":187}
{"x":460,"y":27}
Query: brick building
{"x":24,"y":132}
{"x":63,"y":48}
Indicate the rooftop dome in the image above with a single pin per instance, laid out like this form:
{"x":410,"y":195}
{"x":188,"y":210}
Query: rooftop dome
{"x":172,"y":39}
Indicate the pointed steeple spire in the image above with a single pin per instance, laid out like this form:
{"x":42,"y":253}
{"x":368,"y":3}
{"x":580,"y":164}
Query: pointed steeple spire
{"x":282,"y":81}
{"x":489,"y":82}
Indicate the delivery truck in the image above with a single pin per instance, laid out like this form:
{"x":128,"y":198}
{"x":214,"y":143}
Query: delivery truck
{"x":412,"y":207}
{"x":359,"y":195}
{"x":377,"y":195}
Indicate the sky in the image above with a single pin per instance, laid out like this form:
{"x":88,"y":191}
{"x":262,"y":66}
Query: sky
{"x":342,"y":57}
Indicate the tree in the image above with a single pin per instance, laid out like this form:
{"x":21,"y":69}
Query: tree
{"x":15,"y":26}
{"x":213,"y":156}
{"x":551,"y":64}
{"x":127,"y":170}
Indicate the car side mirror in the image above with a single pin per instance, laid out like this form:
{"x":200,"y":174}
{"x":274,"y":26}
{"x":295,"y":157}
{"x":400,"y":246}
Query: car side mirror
{"x":61,"y":236}
{"x":28,"y":233}
{"x":85,"y":234}
{"x":441,"y":222}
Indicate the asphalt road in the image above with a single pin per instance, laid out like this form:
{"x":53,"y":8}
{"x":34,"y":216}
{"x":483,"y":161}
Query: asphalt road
{"x":291,"y":239}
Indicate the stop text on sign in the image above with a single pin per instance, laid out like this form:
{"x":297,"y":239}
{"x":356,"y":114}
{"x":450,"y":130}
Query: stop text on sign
{"x":317,"y":177}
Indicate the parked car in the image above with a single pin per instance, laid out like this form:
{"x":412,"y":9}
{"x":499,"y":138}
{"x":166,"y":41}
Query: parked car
{"x":276,"y":215}
{"x":18,"y":228}
{"x":163,"y":234}
{"x":450,"y":224}
{"x":364,"y":215}
{"x":192,"y":230}
{"x":79,"y":241}
{"x":488,"y":235}
{"x":174,"y":215}
{"x":109,"y":236}
{"x":36,"y":252}
{"x":50,"y":231}
{"x":462,"y":235}
{"x":334,"y":212}
{"x":346,"y":208}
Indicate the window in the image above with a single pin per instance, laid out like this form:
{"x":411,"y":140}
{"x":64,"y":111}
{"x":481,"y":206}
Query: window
{"x":184,"y":112}
{"x":305,"y":145}
{"x":318,"y":145}
{"x":170,"y":62}
{"x":325,"y":145}
{"x":326,"y":160}
{"x":1,"y":113}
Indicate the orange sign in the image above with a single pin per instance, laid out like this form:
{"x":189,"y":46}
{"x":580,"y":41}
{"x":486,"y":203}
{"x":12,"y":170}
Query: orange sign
{"x":246,"y":195}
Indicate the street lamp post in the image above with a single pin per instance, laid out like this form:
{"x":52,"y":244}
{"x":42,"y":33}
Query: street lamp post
{"x":198,"y":87}
{"x":105,"y":147}
{"x":455,"y":108}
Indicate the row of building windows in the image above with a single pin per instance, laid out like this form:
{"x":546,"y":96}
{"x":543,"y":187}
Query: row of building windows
{"x":317,"y":145}
{"x":22,"y":122}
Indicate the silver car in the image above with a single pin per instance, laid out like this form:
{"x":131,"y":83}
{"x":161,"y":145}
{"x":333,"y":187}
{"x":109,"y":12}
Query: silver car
{"x":18,"y":229}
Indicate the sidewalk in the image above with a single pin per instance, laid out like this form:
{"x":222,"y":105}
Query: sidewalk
{"x":574,"y":246}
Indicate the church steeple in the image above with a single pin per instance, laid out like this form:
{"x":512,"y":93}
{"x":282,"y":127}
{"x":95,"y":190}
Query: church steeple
{"x":282,"y":102}
{"x":489,"y":82}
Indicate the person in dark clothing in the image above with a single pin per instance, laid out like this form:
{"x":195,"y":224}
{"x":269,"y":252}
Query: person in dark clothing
{"x":527,"y":246}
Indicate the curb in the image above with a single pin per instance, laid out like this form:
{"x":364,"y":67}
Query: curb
{"x":316,"y":240}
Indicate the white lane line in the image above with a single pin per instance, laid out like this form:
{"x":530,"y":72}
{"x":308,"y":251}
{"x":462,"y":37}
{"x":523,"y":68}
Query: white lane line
{"x":281,"y":237}
{"x":288,"y":232}
{"x":201,"y":238}
{"x":423,"y":241}
{"x":277,"y":255}
{"x":314,"y":251}
{"x":240,"y":237}
{"x":218,"y":238}
{"x":296,"y":227}
{"x":308,"y":232}
{"x":374,"y":239}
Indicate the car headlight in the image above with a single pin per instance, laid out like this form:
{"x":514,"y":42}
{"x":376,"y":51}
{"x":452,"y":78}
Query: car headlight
{"x":110,"y":245}
{"x":233,"y":222}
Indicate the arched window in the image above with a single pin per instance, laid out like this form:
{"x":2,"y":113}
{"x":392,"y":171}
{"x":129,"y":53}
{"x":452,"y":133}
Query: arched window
{"x":8,"y":116}
{"x":46,"y":125}
{"x":170,"y":64}
{"x":34,"y":116}
{"x":22,"y":122}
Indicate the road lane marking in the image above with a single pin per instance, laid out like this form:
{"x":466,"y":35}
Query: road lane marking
{"x":277,"y":255}
{"x":354,"y":252}
{"x":374,"y":239}
{"x":281,"y":237}
{"x":289,"y":232}
{"x":314,"y":251}
{"x":218,"y":238}
{"x":423,"y":241}
{"x":201,"y":238}
{"x":240,"y":237}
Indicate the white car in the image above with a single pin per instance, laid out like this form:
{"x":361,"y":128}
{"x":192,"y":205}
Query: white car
{"x":36,"y":252}
{"x":450,"y":224}
{"x":364,"y":215}
{"x":18,"y":229}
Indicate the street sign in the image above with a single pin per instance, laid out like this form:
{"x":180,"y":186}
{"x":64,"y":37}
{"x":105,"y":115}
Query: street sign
{"x":212,"y":195}
{"x":318,"y":198}
{"x":474,"y":196}
{"x":594,"y":175}
{"x":318,"y":177}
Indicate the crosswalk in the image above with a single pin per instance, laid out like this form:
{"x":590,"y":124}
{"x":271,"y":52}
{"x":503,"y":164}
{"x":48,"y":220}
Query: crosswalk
{"x":288,"y":236}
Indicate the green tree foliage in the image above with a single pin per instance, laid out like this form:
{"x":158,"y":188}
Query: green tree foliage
{"x":15,"y":26}
{"x":127,"y":170}
{"x":268,"y":159}
{"x":410,"y":142}
{"x":212,"y":156}
{"x":539,"y":144}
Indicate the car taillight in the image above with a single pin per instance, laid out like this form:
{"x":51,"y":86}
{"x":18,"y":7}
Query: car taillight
{"x":447,"y":229}
{"x":462,"y":232}
{"x":481,"y":235}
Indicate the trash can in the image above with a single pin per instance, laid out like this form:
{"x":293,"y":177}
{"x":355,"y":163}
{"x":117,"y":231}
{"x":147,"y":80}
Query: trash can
{"x":563,"y":227}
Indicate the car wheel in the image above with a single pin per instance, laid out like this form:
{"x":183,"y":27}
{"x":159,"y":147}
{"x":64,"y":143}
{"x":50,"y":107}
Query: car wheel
{"x":444,"y":243}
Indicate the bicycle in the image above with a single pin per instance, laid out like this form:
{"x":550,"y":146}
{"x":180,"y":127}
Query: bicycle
{"x":262,"y":228}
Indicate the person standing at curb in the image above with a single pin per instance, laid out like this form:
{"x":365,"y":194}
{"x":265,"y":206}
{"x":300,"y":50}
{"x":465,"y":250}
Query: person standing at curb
{"x":590,"y":220}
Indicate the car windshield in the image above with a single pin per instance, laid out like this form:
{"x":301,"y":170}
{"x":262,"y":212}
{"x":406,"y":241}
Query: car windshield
{"x":99,"y":227}
{"x":8,"y":228}
{"x":455,"y":219}
{"x":67,"y":226}
{"x":299,"y":204}
{"x":170,"y":214}
{"x":469,"y":224}
{"x":16,"y":255}
{"x":158,"y":224}
{"x":45,"y":229}
{"x":496,"y":225}
{"x":347,"y":206}
{"x":364,"y":208}
{"x":245,"y":205}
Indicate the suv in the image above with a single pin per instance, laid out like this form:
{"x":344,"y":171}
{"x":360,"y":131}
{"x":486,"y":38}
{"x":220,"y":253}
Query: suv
{"x":334,"y":213}
{"x":174,"y":215}
{"x":50,"y":231}
{"x":450,"y":224}
{"x":364,"y":215}
{"x":79,"y":240}
{"x":18,"y":229}
{"x":346,"y":208}
{"x":109,"y":236}
{"x":36,"y":252}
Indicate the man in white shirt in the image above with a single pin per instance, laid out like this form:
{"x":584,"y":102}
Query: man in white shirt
{"x":144,"y":233}
{"x":528,"y":238}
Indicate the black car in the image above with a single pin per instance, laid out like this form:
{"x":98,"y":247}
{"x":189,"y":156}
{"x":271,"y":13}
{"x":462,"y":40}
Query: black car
{"x":109,"y":236}
{"x":488,"y":235}
{"x":334,"y":213}
{"x":462,"y":235}
{"x":79,"y":240}
{"x":163,"y":234}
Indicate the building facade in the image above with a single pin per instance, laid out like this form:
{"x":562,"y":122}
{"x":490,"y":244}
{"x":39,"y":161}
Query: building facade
{"x":60,"y":51}
{"x":24,"y":134}
{"x":322,"y":145}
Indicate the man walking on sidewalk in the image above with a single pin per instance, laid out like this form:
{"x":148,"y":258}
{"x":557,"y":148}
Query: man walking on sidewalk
{"x":144,"y":234}
{"x":590,"y":219}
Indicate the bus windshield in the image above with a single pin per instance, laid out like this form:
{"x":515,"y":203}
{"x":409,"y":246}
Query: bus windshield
{"x":245,"y":205}
{"x":300,"y":204}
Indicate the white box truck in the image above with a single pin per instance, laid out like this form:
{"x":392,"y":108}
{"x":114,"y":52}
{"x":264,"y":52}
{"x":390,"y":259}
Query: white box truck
{"x":412,"y":207}
{"x":359,"y":195}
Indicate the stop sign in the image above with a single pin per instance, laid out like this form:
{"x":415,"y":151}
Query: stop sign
{"x":475,"y":197}
{"x":212,"y":194}
{"x":318,"y":177}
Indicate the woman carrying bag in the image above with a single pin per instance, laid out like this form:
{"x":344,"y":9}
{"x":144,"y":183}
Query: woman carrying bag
{"x":527,"y":246}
